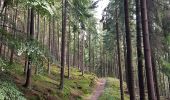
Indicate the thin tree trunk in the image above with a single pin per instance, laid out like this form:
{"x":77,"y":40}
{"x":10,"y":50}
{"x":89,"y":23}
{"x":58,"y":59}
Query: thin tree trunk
{"x":49,"y":44}
{"x":68,"y":51}
{"x":119,"y":57}
{"x":90,"y":52}
{"x":58,"y":42}
{"x":74,"y":55}
{"x":28,"y":76}
{"x":14,"y":32}
{"x":38,"y":26}
{"x":37,"y":35}
{"x":125,"y":61}
{"x":4,"y":21}
{"x":82,"y":55}
{"x":155,"y":76}
{"x":28,"y":31}
{"x":53,"y":38}
{"x":78,"y":50}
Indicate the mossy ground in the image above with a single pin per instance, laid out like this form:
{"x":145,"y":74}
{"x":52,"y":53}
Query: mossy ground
{"x":44,"y":86}
{"x":112,"y":90}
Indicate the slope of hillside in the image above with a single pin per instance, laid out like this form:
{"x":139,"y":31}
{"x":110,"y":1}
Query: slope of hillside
{"x":45,"y":87}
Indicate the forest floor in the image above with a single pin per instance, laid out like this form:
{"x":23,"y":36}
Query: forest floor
{"x":45,"y":87}
{"x":98,"y":89}
{"x":112,"y":90}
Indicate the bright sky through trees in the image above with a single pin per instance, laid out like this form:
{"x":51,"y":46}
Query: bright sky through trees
{"x":101,"y":5}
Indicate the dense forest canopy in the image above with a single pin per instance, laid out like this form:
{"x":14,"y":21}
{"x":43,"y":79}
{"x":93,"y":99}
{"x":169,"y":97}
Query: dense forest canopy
{"x":61,"y":50}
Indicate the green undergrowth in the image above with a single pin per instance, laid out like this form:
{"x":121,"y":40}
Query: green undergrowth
{"x":112,"y":90}
{"x":46,"y":87}
{"x":9,"y":90}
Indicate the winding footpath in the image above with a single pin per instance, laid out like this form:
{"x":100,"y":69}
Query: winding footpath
{"x":98,"y":89}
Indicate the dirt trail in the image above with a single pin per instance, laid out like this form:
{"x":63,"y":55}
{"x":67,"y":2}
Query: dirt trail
{"x":98,"y":89}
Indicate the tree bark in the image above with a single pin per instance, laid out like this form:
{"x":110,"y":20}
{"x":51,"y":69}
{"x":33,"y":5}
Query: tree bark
{"x":89,"y":52}
{"x":14,"y":33}
{"x":68,"y":51}
{"x":139,"y":51}
{"x":130,"y":69}
{"x":119,"y":57}
{"x":64,"y":18}
{"x":147,"y":52}
{"x":49,"y":44}
{"x":27,"y":31}
{"x":28,"y":76}
{"x":74,"y":55}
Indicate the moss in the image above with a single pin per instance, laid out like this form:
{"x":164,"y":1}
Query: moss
{"x":43,"y":85}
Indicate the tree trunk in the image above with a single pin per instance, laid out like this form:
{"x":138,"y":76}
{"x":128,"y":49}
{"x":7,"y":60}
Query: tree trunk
{"x":28,"y":76}
{"x":155,"y":76}
{"x":119,"y":57}
{"x":14,"y":32}
{"x":37,"y":35}
{"x":4,"y":21}
{"x":130,"y":69}
{"x":64,"y":17}
{"x":49,"y":44}
{"x":78,"y":50}
{"x":147,"y":52}
{"x":139,"y":51}
{"x":38,"y":26}
{"x":74,"y":55}
{"x":150,"y":14}
{"x":68,"y":51}
{"x":53,"y":48}
{"x":28,"y":31}
{"x":89,"y":52}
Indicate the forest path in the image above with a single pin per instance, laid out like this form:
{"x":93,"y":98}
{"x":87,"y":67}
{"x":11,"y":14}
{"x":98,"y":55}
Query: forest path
{"x":98,"y":90}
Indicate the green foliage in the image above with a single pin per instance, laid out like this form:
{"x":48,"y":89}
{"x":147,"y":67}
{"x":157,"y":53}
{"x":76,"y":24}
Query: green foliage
{"x":8,"y":91}
{"x":165,"y":67}
{"x":43,"y":6}
{"x":2,"y":64}
{"x":25,"y":47}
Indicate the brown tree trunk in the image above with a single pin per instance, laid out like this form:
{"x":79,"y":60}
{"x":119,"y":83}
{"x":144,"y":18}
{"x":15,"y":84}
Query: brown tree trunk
{"x":28,"y":31}
{"x":155,"y":75}
{"x":14,"y":32}
{"x":130,"y":69}
{"x":119,"y":57}
{"x":139,"y":51}
{"x":150,"y":14}
{"x":37,"y":35}
{"x":4,"y":21}
{"x":147,"y":52}
{"x":38,"y":26}
{"x":89,"y":52}
{"x":78,"y":50}
{"x":82,"y":53}
{"x":64,"y":18}
{"x":68,"y":51}
{"x":28,"y":76}
{"x":74,"y":55}
{"x":49,"y":44}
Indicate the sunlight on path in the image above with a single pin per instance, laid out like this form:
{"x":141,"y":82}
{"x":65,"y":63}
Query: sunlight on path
{"x":99,"y":89}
